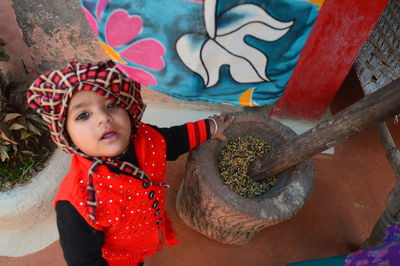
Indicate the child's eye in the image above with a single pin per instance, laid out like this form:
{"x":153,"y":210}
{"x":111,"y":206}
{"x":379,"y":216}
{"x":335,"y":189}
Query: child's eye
{"x":83,"y":116}
{"x":112,"y":105}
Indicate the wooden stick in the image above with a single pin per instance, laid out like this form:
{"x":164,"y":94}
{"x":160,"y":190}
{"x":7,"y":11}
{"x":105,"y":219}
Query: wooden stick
{"x":369,"y":111}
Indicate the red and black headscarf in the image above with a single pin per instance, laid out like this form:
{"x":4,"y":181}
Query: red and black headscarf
{"x":51,"y":93}
{"x":50,"y":96}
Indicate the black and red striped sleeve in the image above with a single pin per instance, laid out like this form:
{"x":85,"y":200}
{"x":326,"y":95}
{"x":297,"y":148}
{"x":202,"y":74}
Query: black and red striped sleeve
{"x":197,"y":133}
{"x":183,"y":138}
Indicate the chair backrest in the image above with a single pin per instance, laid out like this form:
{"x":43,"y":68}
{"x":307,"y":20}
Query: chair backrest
{"x":378,"y":62}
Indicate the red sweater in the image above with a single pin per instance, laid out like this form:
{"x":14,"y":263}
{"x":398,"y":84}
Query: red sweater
{"x":130,"y":214}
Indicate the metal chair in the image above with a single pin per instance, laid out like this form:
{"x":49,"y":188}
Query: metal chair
{"x":378,"y":64}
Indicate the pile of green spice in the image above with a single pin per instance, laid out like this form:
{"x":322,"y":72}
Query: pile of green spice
{"x":234,"y":162}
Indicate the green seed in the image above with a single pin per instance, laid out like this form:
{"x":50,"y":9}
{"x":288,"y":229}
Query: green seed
{"x":234,"y":161}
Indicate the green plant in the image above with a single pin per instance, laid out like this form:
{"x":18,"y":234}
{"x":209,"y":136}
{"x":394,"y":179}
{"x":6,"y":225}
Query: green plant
{"x":24,"y":140}
{"x":20,"y":126}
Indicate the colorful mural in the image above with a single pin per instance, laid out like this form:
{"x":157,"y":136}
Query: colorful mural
{"x":222,"y":51}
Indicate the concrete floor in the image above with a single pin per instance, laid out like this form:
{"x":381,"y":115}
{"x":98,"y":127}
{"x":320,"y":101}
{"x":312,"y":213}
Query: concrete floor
{"x":348,"y":196}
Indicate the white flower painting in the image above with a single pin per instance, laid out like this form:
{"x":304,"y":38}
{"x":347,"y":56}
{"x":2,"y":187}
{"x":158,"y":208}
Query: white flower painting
{"x":225,"y":44}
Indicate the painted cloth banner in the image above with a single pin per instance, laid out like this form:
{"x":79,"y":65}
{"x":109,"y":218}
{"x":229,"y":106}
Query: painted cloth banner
{"x":386,"y":254}
{"x":239,"y":52}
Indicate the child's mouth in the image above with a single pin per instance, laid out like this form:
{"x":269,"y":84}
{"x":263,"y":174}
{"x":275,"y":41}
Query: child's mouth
{"x":109,"y":135}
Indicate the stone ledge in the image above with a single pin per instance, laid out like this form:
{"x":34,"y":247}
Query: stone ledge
{"x":27,"y":216}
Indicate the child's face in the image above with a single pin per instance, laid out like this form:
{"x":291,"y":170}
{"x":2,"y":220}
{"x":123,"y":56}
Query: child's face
{"x":98,"y":126}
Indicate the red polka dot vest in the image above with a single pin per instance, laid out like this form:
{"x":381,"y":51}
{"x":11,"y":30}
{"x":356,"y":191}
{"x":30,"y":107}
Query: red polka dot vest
{"x":129,"y":212}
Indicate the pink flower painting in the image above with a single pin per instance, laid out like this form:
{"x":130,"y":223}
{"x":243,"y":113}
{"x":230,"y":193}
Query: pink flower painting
{"x":119,"y":30}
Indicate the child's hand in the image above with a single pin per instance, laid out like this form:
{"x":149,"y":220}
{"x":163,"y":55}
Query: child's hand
{"x":222,"y":122}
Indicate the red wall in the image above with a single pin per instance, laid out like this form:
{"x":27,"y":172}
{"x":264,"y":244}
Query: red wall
{"x":338,"y":34}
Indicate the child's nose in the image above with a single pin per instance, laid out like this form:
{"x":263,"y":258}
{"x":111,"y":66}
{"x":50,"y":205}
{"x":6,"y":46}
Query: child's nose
{"x":103,"y":117}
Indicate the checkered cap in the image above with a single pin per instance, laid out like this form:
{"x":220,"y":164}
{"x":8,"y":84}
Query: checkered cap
{"x":50,"y":96}
{"x":51,"y":93}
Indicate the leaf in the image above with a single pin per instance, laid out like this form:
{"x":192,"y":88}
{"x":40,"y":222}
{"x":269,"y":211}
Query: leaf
{"x":33,"y":116}
{"x":16,"y":126}
{"x":27,"y":152}
{"x":4,"y":153}
{"x":3,"y":157}
{"x":11,"y":116}
{"x":36,"y":119}
{"x":21,"y":120}
{"x":33,"y":128}
{"x":25,"y":134}
{"x":6,"y":138}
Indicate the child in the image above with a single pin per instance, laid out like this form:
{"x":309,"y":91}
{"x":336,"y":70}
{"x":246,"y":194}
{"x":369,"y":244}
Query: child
{"x":110,"y":206}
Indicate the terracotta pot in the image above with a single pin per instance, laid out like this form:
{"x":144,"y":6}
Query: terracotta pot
{"x":207,"y":205}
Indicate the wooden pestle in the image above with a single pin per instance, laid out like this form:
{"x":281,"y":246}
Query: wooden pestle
{"x":369,"y":111}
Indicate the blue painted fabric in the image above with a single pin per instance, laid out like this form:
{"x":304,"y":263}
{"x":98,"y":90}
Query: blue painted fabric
{"x":333,"y":261}
{"x":237,"y":52}
{"x":386,"y":254}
